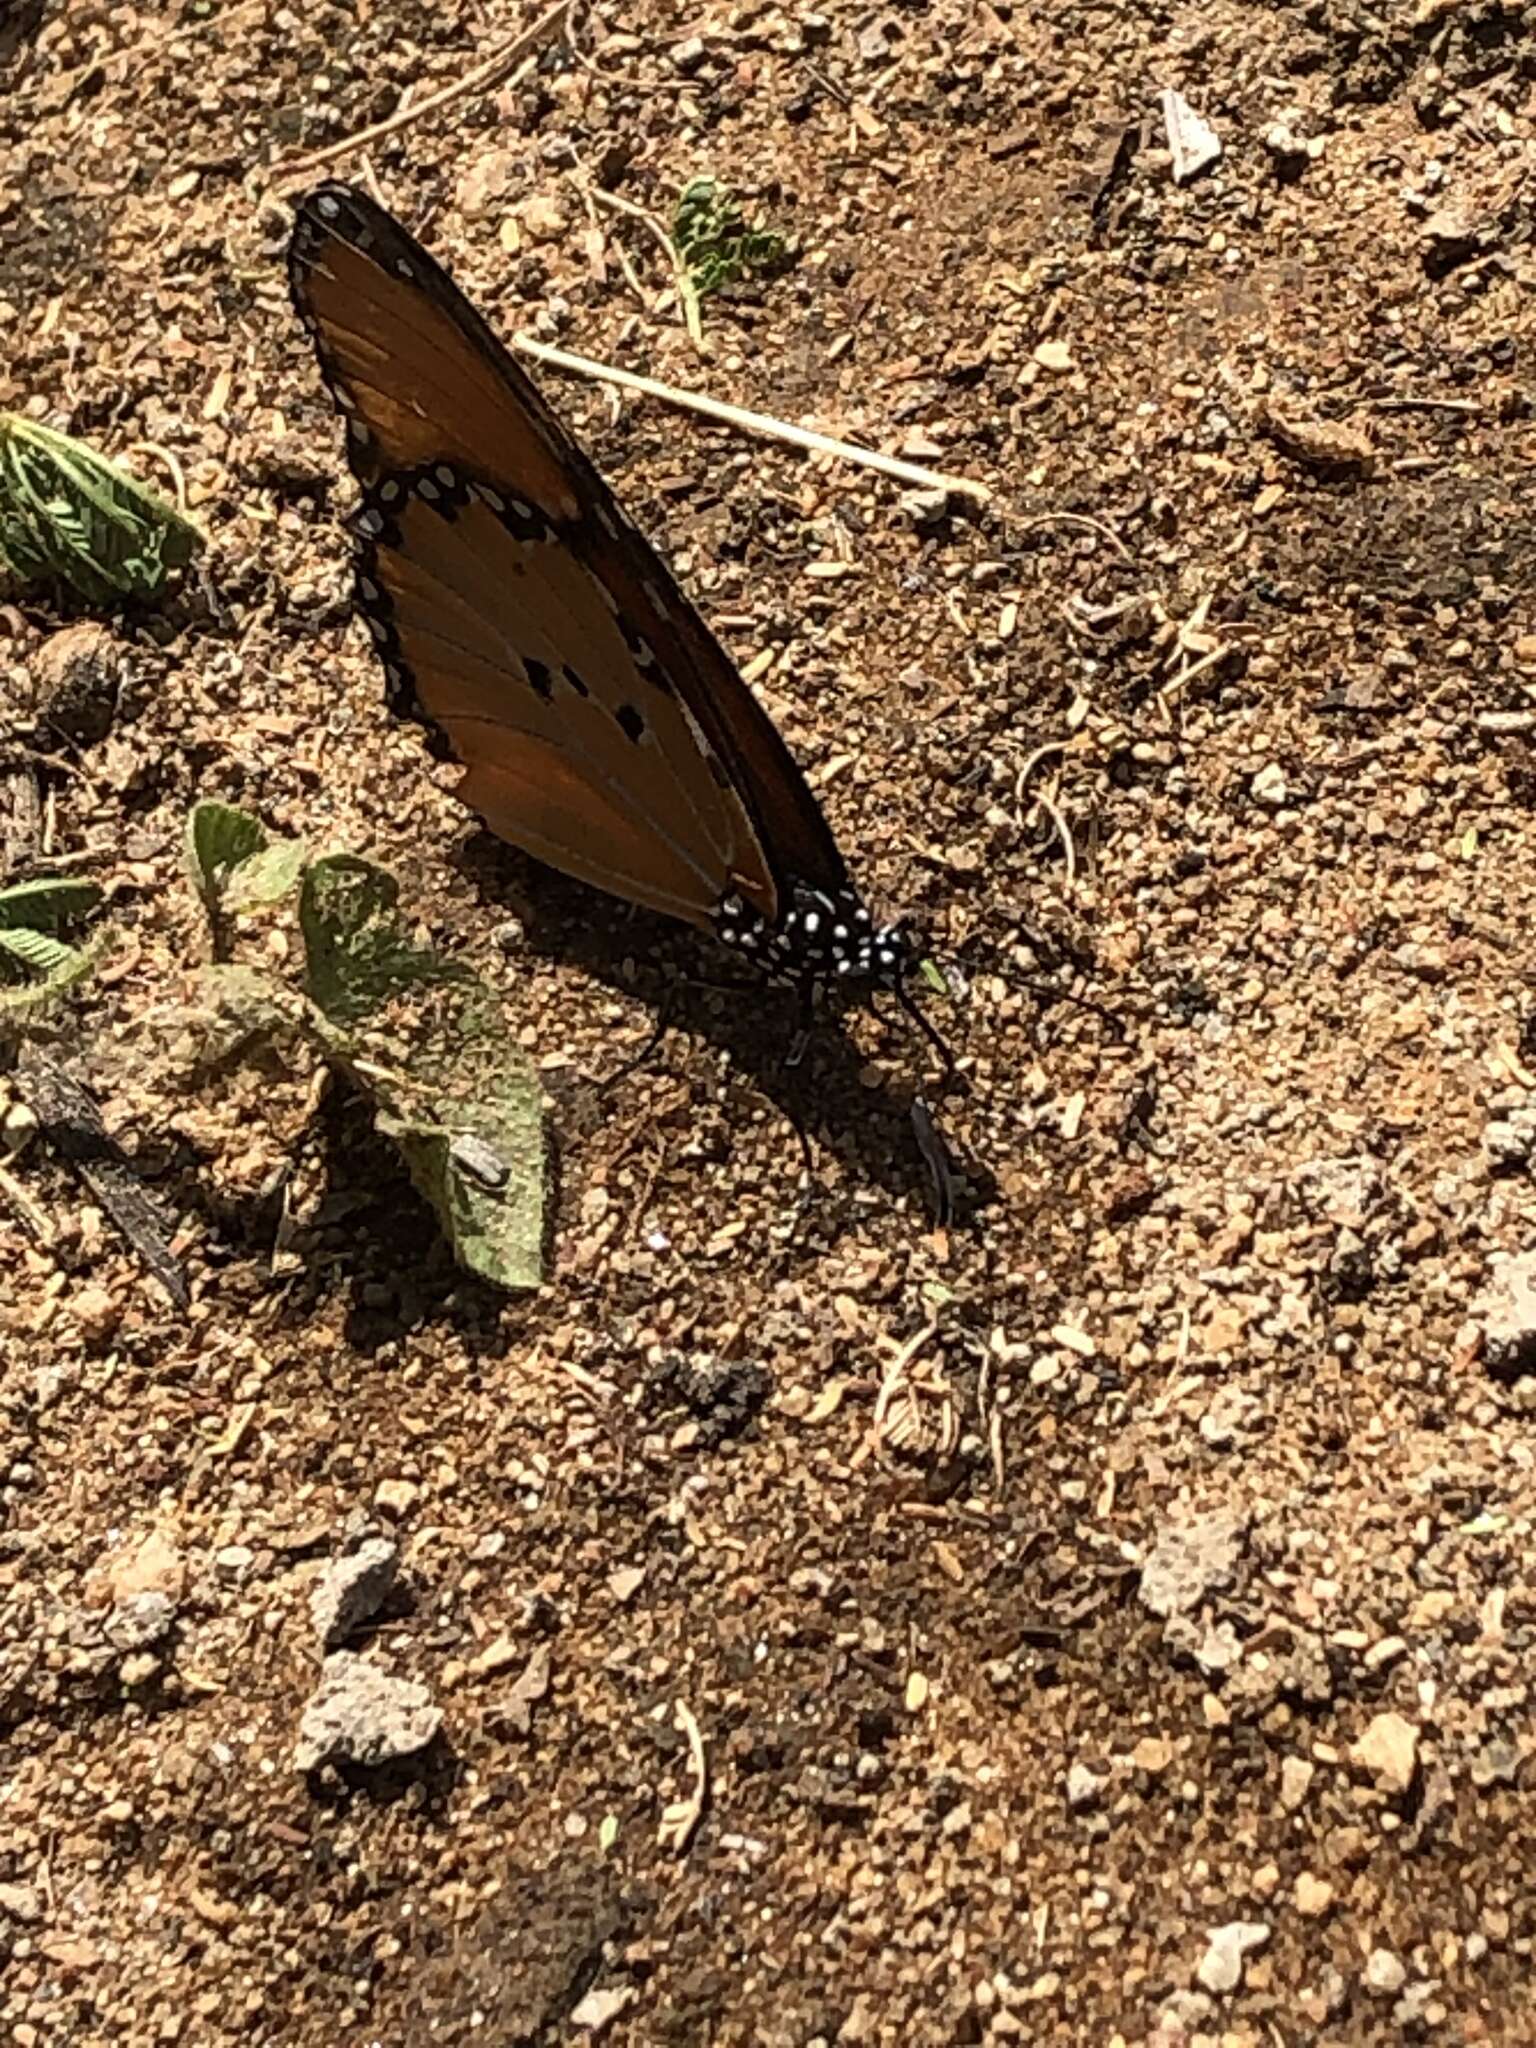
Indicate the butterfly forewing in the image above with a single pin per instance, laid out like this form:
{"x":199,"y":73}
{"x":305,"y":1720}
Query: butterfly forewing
{"x":520,"y":613}
{"x":501,"y":635}
{"x":414,"y":367}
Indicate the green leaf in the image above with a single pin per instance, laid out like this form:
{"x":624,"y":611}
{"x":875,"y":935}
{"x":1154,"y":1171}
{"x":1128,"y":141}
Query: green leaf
{"x":425,"y":1040}
{"x":482,"y":1171}
{"x":265,"y":877}
{"x":37,"y":968}
{"x":68,"y":515}
{"x":717,"y":245}
{"x":219,"y":837}
{"x":47,"y":903}
{"x":934,"y":977}
{"x":257,"y":1004}
{"x":39,"y":954}
{"x":235,"y":865}
{"x":357,"y":957}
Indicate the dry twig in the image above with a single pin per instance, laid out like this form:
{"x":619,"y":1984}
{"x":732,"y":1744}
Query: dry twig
{"x":760,"y":423}
{"x":1081,"y":519}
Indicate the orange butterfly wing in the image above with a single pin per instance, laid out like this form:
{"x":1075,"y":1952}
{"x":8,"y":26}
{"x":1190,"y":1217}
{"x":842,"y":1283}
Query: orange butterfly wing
{"x":602,"y":727}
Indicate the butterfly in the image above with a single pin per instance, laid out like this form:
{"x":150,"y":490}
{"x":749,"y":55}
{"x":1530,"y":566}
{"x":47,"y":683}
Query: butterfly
{"x":529,"y":625}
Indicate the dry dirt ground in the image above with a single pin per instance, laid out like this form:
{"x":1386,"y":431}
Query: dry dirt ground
{"x":1107,"y":1620}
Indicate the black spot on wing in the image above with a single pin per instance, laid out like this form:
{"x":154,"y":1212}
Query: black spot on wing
{"x":575,"y":682}
{"x":539,"y":676}
{"x":631,"y":723}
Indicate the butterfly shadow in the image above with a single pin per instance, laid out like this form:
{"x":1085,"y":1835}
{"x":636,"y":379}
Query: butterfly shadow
{"x":829,"y":1095}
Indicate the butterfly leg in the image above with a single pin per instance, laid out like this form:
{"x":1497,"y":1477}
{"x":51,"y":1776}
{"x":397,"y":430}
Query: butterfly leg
{"x":659,"y":1031}
{"x":943,"y":1181}
{"x":932,"y":1033}
{"x":805,"y":1025}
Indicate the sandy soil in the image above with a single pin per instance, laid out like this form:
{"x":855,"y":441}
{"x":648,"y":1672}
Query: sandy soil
{"x":1109,"y":1619}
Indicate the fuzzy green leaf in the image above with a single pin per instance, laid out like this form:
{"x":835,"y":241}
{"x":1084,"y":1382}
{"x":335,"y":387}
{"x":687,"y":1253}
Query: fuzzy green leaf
{"x":35,"y":969}
{"x":482,"y":1171}
{"x":426,"y":1042}
{"x":234,"y":864}
{"x":265,"y":877}
{"x":68,"y":515}
{"x":219,"y":837}
{"x":357,"y":956}
{"x":47,"y":903}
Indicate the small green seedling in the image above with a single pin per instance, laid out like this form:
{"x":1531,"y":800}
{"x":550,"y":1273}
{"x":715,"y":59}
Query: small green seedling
{"x":420,"y":1036}
{"x":718,"y":246}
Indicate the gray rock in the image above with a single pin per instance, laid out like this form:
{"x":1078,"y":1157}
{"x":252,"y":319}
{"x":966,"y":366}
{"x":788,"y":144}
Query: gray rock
{"x":1191,"y":1560}
{"x":1384,"y":1973}
{"x":1509,"y":1141}
{"x":1231,"y":1414}
{"x":1342,"y":1191}
{"x":1296,"y":1775}
{"x":926,"y":507}
{"x":21,"y":1902}
{"x":352,"y":1589}
{"x":359,"y":1714}
{"x":1506,"y":1310}
{"x":1221,"y":1967}
{"x":140,"y":1621}
{"x":1083,"y":1786}
{"x":1185,"y":2012}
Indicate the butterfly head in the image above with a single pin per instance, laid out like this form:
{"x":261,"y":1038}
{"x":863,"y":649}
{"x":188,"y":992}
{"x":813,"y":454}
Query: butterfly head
{"x":824,"y":937}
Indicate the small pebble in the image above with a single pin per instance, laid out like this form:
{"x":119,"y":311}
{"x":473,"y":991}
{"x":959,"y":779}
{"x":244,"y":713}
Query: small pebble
{"x":359,"y":1714}
{"x":1384,"y":1973}
{"x":1388,"y":1751}
{"x":1221,"y":1967}
{"x":396,"y":1497}
{"x":351,"y":1590}
{"x":1083,"y":1787}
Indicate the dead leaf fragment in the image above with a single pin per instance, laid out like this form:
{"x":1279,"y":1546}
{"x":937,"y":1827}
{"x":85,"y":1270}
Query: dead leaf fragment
{"x":679,"y":1820}
{"x":1323,"y":444}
